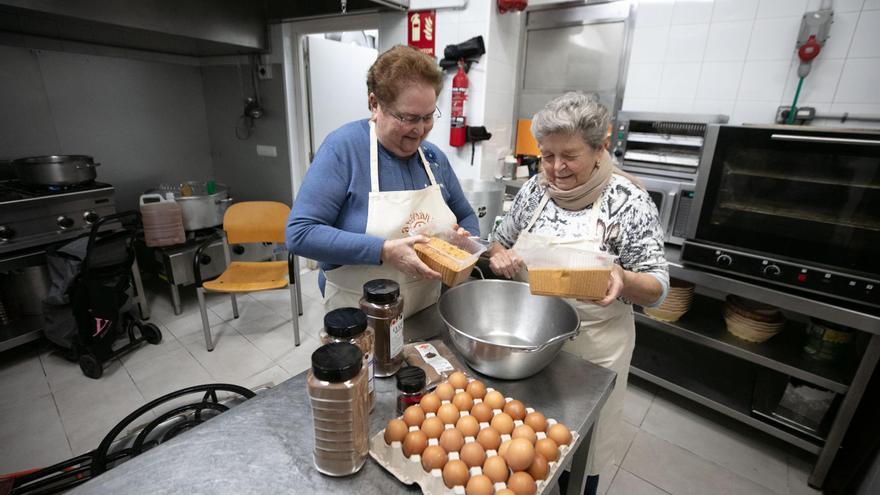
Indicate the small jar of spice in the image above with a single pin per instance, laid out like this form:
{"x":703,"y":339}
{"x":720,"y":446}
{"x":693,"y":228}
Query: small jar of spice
{"x":350,"y":325}
{"x":411,"y":382}
{"x":337,"y":387}
{"x":383,"y":305}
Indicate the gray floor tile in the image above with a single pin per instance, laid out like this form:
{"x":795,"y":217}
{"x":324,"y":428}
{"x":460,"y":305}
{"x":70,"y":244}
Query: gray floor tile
{"x":606,"y":477}
{"x":167,"y":373}
{"x":233,"y":359}
{"x":248,"y":310}
{"x":31,"y":435}
{"x":299,"y":359}
{"x":799,"y":470}
{"x":625,"y":436}
{"x":676,"y":470}
{"x":190,"y":322}
{"x":637,"y":401}
{"x":63,"y":374}
{"x":626,"y":483}
{"x":272,"y":334}
{"x":269,"y":378}
{"x":148,"y":352}
{"x":21,"y":376}
{"x":730,"y":445}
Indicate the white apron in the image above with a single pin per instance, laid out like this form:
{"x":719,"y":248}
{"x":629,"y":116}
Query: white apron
{"x":391,"y":215}
{"x":607,"y":338}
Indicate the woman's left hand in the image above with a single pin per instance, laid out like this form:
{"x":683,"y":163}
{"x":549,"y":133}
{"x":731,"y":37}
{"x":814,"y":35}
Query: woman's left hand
{"x":615,"y":287}
{"x":460,"y":231}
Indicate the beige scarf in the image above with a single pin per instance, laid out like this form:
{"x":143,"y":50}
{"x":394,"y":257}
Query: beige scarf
{"x":579,"y":197}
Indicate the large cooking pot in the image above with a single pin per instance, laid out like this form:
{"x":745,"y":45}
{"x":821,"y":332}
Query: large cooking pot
{"x":202,"y":210}
{"x":55,"y":170}
{"x":504,"y":331}
{"x":487,"y":199}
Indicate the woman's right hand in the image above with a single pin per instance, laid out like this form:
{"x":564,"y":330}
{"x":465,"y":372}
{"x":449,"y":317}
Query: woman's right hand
{"x":401,"y":255}
{"x":505,"y":262}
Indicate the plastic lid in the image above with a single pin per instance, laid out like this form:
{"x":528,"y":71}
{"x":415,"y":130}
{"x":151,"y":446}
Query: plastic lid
{"x":337,"y":362}
{"x":411,"y":379}
{"x":381,"y":291}
{"x":345,"y":323}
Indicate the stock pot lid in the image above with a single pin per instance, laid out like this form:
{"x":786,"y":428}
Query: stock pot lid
{"x":33,"y":160}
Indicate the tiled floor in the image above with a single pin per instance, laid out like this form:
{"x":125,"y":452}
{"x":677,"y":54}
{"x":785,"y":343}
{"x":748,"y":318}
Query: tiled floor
{"x":50,"y":411}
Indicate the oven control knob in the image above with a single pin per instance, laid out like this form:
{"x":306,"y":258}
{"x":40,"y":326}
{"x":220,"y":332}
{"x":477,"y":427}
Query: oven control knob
{"x":723,"y":260}
{"x":91,"y":217}
{"x":64,"y":222}
{"x":772,"y":271}
{"x":6,"y":234}
{"x":618,"y":152}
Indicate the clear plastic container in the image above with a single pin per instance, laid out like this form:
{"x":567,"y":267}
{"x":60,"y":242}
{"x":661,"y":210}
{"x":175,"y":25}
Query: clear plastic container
{"x":453,"y":269}
{"x":350,"y":325}
{"x":567,"y":272}
{"x":163,"y":220}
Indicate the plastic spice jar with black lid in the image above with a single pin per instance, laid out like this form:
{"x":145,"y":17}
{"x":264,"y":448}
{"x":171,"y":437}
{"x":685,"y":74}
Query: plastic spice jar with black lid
{"x":337,"y":386}
{"x":350,"y":325}
{"x":411,"y":381}
{"x":383,"y":305}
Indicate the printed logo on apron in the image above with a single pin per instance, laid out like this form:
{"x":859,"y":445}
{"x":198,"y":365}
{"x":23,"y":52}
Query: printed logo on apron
{"x":416,"y":219}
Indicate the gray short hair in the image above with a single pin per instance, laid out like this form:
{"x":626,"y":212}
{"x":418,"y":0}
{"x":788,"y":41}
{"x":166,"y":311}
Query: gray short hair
{"x":573,"y":113}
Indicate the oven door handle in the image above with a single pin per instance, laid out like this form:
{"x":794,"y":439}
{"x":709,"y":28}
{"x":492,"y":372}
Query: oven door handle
{"x":822,"y":139}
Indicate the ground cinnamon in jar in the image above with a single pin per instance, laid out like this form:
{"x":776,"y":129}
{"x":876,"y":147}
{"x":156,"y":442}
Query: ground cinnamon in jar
{"x":337,"y":387}
{"x":350,"y":325}
{"x":383,"y":305}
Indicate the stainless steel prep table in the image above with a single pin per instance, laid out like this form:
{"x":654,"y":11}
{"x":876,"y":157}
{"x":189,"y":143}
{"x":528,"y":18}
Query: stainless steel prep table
{"x":265,"y":445}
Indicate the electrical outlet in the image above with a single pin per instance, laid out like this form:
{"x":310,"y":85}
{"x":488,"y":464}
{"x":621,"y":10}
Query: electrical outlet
{"x":264,"y":71}
{"x":265,"y":150}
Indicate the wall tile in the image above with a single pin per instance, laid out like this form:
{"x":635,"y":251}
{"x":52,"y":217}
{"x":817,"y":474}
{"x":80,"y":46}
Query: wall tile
{"x":687,"y":43}
{"x":841,"y":35}
{"x":679,"y":80}
{"x":691,"y":11}
{"x":764,"y":80}
{"x":819,"y":85}
{"x":774,"y":39}
{"x":719,"y":80}
{"x":754,"y":112}
{"x":734,"y":10}
{"x":639,"y":104}
{"x":841,"y":5}
{"x":858,"y":81}
{"x":871,"y":5}
{"x":675,"y":105}
{"x":653,"y":13}
{"x":643,"y":80}
{"x":724,"y":107}
{"x":649,"y":44}
{"x":866,"y":40}
{"x":728,"y":41}
{"x":781,"y":8}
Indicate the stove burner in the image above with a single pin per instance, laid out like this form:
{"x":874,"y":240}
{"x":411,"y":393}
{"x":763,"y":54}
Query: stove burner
{"x":11,"y":190}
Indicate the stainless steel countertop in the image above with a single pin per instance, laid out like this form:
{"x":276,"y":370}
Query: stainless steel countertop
{"x":265,"y":444}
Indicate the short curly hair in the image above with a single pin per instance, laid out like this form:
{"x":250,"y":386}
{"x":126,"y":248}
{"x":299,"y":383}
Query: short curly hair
{"x":399,"y":67}
{"x":573,"y":113}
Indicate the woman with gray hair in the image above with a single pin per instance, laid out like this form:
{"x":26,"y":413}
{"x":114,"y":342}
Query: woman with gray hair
{"x":581,"y":198}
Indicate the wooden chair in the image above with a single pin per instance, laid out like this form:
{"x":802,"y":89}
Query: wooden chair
{"x":250,"y":222}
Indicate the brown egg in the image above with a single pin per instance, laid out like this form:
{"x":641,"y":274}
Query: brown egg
{"x":414,"y":443}
{"x":536,"y":420}
{"x":451,"y":440}
{"x":494,"y":399}
{"x":482,"y":412}
{"x":560,"y":434}
{"x":395,"y":431}
{"x":495,"y":468}
{"x":524,"y":431}
{"x":503,"y":423}
{"x":445,"y":391}
{"x":489,"y":438}
{"x":433,"y":457}
{"x":547,"y":448}
{"x":515,"y":409}
{"x":479,"y":485}
{"x":430,"y":403}
{"x":468,"y":426}
{"x":539,"y":468}
{"x":505,"y":491}
{"x":463,"y":401}
{"x":520,"y":454}
{"x":458,"y":380}
{"x":413,"y":416}
{"x":502,"y":450}
{"x":455,"y":473}
{"x":522,"y":483}
{"x":448,"y":413}
{"x":473,"y":454}
{"x":477,"y":389}
{"x":433,"y":427}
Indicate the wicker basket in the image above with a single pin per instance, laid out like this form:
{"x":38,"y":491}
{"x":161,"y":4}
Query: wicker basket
{"x":591,"y":283}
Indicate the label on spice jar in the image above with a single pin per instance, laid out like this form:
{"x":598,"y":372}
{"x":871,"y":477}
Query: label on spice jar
{"x":396,"y":332}
{"x":372,"y":375}
{"x":434,"y":359}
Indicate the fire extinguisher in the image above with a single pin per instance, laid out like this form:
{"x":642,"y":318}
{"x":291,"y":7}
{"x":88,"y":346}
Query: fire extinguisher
{"x":458,"y":124}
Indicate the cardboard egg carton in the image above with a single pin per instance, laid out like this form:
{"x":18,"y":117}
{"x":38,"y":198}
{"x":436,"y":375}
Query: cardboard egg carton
{"x":410,"y":470}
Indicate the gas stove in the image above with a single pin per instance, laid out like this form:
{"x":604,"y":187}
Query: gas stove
{"x":35,"y":216}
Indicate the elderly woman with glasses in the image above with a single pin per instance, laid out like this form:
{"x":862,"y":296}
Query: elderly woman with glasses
{"x":580,"y":199}
{"x":372,"y":181}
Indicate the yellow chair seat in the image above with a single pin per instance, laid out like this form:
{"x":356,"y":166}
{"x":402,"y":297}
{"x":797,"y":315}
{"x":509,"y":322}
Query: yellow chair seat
{"x":248,"y":276}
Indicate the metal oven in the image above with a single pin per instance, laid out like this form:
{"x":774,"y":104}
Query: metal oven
{"x":793,"y":206}
{"x":664,"y":151}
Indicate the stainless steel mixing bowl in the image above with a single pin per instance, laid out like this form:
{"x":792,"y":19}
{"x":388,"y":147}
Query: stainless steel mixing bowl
{"x":504,"y":331}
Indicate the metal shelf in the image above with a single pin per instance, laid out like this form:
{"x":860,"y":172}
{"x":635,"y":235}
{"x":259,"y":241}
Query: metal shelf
{"x":20,"y":331}
{"x":704,"y":325}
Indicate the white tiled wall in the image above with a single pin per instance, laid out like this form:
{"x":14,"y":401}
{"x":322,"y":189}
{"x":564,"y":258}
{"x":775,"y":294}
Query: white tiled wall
{"x":738,"y":57}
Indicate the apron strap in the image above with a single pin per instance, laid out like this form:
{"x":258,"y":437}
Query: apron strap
{"x":374,"y":159}
{"x":592,"y":220}
{"x":427,"y":167}
{"x":544,"y":199}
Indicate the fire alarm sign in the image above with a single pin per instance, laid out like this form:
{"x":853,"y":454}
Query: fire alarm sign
{"x":421,"y":29}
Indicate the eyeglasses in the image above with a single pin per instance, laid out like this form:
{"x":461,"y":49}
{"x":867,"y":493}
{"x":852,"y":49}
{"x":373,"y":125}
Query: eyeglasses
{"x":415,"y":119}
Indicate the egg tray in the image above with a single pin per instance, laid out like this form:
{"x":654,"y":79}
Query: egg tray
{"x":409,"y":470}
